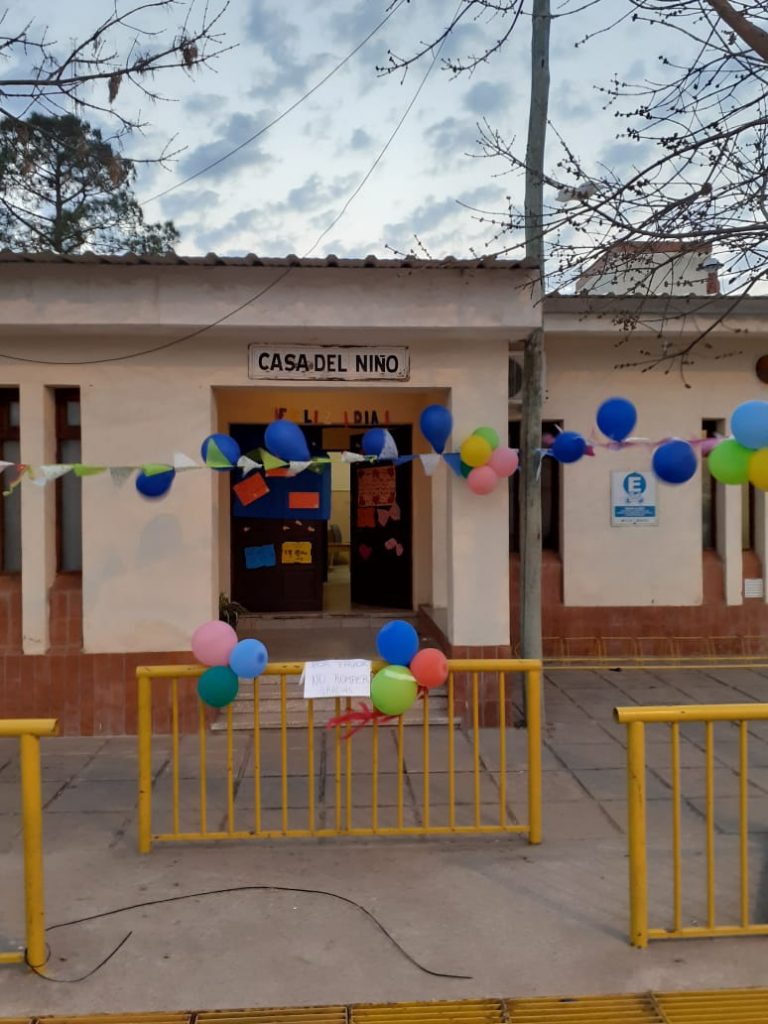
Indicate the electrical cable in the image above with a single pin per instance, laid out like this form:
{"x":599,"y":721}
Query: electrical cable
{"x":222,"y":892}
{"x":276,"y":120}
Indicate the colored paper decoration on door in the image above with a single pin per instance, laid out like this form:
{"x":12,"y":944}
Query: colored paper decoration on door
{"x":304,"y":500}
{"x":251,"y":489}
{"x":394,"y":545}
{"x":296,"y":552}
{"x":364,"y":551}
{"x":366,"y":518}
{"x":262,"y":556}
{"x":376,"y":486}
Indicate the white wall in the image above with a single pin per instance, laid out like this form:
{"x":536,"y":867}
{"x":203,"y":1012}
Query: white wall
{"x":661,"y":565}
{"x":152,"y":570}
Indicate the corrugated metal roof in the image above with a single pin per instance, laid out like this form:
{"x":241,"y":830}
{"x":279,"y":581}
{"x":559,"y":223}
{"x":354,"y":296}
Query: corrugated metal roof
{"x":172,"y":259}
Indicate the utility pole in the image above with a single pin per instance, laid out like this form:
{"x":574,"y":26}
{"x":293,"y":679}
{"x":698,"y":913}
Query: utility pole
{"x":533,"y":367}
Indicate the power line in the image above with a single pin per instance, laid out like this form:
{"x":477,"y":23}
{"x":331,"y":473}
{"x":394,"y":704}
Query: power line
{"x":276,"y":120}
{"x":254,"y":298}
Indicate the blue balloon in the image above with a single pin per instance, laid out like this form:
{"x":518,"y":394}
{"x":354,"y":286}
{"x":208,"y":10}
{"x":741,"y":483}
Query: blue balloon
{"x":436,"y":424}
{"x":568,"y":446}
{"x":749,"y":424}
{"x":228,"y":447}
{"x":616,"y":418}
{"x":248,"y":658}
{"x":374,"y":441}
{"x":286,"y":440}
{"x":674,"y":462}
{"x":397,"y":642}
{"x":217,"y":686}
{"x":155,"y":485}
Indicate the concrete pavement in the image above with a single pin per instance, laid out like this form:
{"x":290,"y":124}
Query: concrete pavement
{"x":520,"y":920}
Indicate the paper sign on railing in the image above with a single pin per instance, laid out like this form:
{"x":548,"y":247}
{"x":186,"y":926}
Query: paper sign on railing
{"x":350,"y":678}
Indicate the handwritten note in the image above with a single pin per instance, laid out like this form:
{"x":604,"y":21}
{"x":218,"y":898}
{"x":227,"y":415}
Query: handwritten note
{"x":296,"y":552}
{"x":350,"y":678}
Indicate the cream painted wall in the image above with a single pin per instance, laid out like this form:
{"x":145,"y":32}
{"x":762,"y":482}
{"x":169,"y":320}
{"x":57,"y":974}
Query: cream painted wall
{"x":661,"y":565}
{"x":152,"y":570}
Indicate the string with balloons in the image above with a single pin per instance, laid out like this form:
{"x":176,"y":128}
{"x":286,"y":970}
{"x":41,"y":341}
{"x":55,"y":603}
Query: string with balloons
{"x":481,"y":459}
{"x":743,"y":458}
{"x":409,"y":674}
{"x":228,"y":660}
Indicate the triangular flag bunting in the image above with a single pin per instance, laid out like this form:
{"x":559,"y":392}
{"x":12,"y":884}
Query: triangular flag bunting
{"x":182,"y":461}
{"x":401,"y":460}
{"x":120,"y":474}
{"x":215,"y":458}
{"x":429,"y":462}
{"x":352,"y":457}
{"x":271,"y":461}
{"x":454,"y":461}
{"x":155,"y":468}
{"x":294,"y":468}
{"x":5,"y":465}
{"x":389,"y":450}
{"x":80,"y":469}
{"x":247,"y":464}
{"x":53,"y":472}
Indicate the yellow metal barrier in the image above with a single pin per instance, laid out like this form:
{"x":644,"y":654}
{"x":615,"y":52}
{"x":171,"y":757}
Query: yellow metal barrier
{"x":29,"y":731}
{"x":636,"y":719}
{"x":349,"y":774}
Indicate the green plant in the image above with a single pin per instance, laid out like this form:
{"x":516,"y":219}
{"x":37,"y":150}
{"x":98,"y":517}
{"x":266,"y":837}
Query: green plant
{"x":230,"y":611}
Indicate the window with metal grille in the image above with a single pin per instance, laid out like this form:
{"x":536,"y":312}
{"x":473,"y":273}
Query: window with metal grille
{"x":69,"y":532}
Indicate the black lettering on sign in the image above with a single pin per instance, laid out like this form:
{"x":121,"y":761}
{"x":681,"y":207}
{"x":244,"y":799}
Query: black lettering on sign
{"x":361,"y":363}
{"x":302,"y":363}
{"x":263,"y":360}
{"x":392,"y":364}
{"x":290,"y":361}
{"x":277,"y":363}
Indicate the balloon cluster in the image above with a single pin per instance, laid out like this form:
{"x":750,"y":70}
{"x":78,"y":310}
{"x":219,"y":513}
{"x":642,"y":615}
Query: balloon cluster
{"x":484,"y":461}
{"x":395,"y":687}
{"x":215,"y":644}
{"x":743,"y":458}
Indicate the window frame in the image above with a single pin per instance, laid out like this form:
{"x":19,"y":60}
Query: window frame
{"x":64,"y":432}
{"x":552,"y":540}
{"x":8,"y":432}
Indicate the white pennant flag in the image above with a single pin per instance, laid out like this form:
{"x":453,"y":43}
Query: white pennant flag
{"x":182,"y":461}
{"x":353,"y":457}
{"x":120,"y":474}
{"x":5,"y":465}
{"x":294,"y":468}
{"x":53,"y":472}
{"x":389,"y":450}
{"x":429,"y":463}
{"x":247,"y":464}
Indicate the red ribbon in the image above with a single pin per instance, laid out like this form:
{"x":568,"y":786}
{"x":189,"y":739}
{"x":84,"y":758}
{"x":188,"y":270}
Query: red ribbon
{"x":358,"y":720}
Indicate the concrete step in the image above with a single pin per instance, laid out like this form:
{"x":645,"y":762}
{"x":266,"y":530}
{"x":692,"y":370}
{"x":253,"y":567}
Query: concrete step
{"x":252,"y":624}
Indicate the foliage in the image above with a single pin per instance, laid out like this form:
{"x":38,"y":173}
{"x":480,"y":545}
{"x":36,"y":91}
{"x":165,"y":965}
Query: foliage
{"x":65,"y":188}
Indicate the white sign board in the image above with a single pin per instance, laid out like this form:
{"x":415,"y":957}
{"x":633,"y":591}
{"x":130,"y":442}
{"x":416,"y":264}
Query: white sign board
{"x":327,"y":362}
{"x":633,"y":499}
{"x":337,"y":679}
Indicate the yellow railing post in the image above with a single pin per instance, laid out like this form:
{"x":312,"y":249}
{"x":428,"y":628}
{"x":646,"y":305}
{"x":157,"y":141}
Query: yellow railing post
{"x":145,"y":761}
{"x":533,"y":714}
{"x":32,"y":816}
{"x":638,"y":866}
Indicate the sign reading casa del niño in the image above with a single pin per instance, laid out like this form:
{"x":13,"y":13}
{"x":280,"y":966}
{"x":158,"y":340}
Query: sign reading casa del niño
{"x":327,"y":362}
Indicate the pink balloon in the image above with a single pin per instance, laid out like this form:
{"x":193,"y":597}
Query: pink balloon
{"x":482,"y":480}
{"x":504,"y":461}
{"x":213,"y":642}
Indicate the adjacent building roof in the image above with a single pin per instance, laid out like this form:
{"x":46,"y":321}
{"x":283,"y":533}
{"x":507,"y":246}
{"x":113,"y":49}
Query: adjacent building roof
{"x":172,"y":259}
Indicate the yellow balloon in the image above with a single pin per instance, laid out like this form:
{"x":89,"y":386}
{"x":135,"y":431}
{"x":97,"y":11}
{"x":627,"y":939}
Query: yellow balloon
{"x":475,"y":451}
{"x":758,"y":469}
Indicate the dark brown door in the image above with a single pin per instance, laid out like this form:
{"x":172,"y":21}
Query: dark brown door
{"x":381,"y":555}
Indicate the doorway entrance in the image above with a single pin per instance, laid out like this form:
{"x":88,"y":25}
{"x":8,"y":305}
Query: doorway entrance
{"x":336,"y":538}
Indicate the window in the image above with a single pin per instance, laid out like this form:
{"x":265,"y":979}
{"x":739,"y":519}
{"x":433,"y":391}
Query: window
{"x":709,"y":428}
{"x":550,"y":495}
{"x":10,"y":507}
{"x":69,"y":534}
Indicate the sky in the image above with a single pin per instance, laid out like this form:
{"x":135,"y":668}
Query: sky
{"x":280,"y":194}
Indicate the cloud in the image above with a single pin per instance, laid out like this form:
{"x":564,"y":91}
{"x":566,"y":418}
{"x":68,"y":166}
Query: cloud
{"x":204,"y":103}
{"x":216,"y":239}
{"x":189,"y":204}
{"x":354,"y":24}
{"x":360,"y":140}
{"x":568,"y":104}
{"x":229,"y":134}
{"x":312,"y":194}
{"x":431,"y":219}
{"x":451,"y":137}
{"x":621,"y":156}
{"x":487,"y":98}
{"x":274,"y":34}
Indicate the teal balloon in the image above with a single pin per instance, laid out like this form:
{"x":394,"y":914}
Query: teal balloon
{"x":217,"y":686}
{"x":393,"y":690}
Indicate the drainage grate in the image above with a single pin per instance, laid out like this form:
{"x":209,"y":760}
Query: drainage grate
{"x":735,"y":1006}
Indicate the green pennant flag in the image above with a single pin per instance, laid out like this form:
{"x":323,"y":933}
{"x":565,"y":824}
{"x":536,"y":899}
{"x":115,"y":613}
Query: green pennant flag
{"x":215,"y":458}
{"x":155,"y":469}
{"x":270,"y":461}
{"x":82,"y":470}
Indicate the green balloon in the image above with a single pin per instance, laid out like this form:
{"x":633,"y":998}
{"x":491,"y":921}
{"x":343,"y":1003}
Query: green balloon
{"x":729,"y":462}
{"x":489,"y":434}
{"x":217,"y":686}
{"x":465,"y":470}
{"x":393,"y":690}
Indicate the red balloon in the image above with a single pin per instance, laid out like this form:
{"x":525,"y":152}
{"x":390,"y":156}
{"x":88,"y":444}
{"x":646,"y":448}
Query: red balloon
{"x":429,"y":668}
